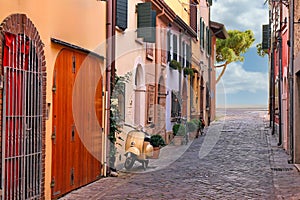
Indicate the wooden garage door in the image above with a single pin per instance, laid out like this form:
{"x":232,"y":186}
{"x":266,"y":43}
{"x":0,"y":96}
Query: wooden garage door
{"x":77,"y":119}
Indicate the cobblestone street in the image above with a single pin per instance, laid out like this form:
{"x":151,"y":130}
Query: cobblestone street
{"x":236,"y":158}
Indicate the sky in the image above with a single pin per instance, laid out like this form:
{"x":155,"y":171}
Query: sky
{"x":244,"y":83}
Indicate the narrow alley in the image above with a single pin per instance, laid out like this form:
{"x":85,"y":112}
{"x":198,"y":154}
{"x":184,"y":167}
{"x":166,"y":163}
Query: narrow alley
{"x":236,"y":158}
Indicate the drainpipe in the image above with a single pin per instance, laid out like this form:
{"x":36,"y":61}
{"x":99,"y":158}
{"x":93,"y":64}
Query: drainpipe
{"x":110,"y":32}
{"x":209,"y":74}
{"x":291,"y":81}
{"x":180,"y":51}
{"x":272,"y":100}
{"x":279,"y":89}
{"x":156,"y":72}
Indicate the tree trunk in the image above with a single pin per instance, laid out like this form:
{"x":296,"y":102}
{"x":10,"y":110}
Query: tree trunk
{"x":222,"y":73}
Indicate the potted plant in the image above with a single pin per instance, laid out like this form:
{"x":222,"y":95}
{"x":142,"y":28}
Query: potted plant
{"x":179,"y":133}
{"x":188,"y":71}
{"x":174,"y":64}
{"x":191,"y":129}
{"x":198,"y":124}
{"x":157,"y":142}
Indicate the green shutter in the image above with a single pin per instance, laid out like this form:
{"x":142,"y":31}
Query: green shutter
{"x":152,"y":29}
{"x":175,"y":49}
{"x":144,"y":20}
{"x":183,"y":53}
{"x":169,"y":45}
{"x":210,"y":43}
{"x":210,"y":2}
{"x":266,"y":35}
{"x":202,"y":25}
{"x":207,"y":40}
{"x":121,"y":17}
{"x":188,"y":55}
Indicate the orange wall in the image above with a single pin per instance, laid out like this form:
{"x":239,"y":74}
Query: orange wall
{"x":78,"y":22}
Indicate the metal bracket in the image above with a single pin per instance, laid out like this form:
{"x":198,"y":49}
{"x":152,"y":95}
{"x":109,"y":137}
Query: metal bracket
{"x":53,"y":136}
{"x":73,"y":64}
{"x":72,"y":177}
{"x":52,"y":185}
{"x":73,"y":133}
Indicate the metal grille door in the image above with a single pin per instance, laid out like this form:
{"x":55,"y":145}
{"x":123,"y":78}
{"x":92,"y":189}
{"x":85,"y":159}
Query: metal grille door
{"x":22,"y":119}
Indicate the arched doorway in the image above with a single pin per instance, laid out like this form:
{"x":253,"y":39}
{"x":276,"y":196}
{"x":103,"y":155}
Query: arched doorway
{"x":77,"y":119}
{"x":23,"y":109}
{"x":138,"y":94}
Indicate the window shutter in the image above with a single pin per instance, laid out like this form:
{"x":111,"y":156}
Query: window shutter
{"x":266,"y":35}
{"x":207,"y":40}
{"x":183,"y":54}
{"x":144,"y":19}
{"x":210,"y":2}
{"x":202,"y":25}
{"x":152,"y":28}
{"x":188,"y":55}
{"x":169,"y":45}
{"x":193,"y":15}
{"x":209,"y":43}
{"x":175,"y":49}
{"x":121,"y":10}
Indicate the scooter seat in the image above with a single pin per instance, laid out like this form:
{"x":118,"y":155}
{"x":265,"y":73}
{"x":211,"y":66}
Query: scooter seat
{"x":147,"y":138}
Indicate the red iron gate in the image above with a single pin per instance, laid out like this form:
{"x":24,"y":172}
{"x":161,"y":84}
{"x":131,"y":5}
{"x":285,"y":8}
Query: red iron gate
{"x":22,"y":119}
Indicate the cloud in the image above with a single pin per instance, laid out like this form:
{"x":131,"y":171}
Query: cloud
{"x":236,"y":79}
{"x":241,"y":15}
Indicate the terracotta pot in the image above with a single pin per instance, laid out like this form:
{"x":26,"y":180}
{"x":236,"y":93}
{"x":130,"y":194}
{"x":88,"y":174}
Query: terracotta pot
{"x":156,"y":151}
{"x":177,"y":140}
{"x":192,"y":135}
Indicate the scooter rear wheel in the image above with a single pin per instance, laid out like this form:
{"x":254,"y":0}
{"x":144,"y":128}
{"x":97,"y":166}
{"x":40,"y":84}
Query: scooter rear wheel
{"x":129,"y":162}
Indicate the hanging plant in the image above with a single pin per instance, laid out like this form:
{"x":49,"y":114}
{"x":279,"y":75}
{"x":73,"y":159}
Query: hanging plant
{"x":174,"y":64}
{"x":188,"y":71}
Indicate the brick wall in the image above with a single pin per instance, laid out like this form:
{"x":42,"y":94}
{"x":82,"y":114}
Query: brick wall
{"x":20,"y":24}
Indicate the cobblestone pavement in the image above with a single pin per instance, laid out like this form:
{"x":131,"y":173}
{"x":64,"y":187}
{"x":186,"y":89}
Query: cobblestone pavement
{"x":237,"y":158}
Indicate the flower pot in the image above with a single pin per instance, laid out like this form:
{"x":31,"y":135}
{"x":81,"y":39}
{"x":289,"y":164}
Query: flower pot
{"x":156,"y":151}
{"x":192,"y":135}
{"x":177,"y":140}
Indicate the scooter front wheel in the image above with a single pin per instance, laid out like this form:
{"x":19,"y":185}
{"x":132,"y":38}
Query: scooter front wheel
{"x":129,"y":162}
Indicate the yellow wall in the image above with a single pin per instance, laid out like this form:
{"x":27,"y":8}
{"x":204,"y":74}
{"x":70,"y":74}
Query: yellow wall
{"x":181,"y":8}
{"x":78,"y":22}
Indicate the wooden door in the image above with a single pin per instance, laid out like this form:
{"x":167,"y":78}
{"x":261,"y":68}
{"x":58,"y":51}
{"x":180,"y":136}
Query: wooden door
{"x":77,"y":119}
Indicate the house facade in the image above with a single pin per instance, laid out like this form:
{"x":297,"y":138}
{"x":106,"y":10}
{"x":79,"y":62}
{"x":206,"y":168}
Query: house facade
{"x":47,"y":54}
{"x":280,"y":39}
{"x":295,"y":137}
{"x":53,"y":80}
